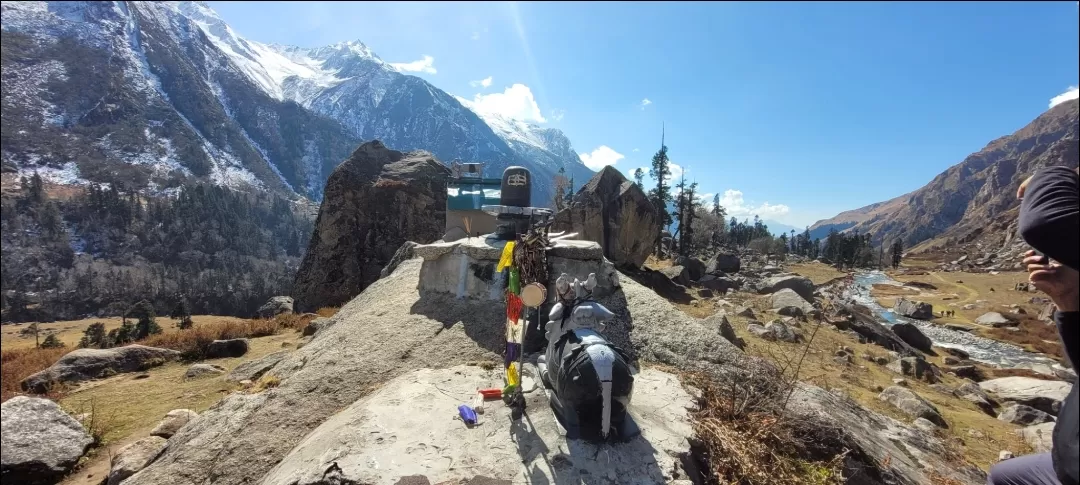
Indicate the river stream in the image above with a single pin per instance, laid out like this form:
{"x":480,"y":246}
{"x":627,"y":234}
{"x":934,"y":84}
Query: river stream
{"x":978,"y":348}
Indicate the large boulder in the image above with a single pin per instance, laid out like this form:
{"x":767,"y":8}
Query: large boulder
{"x":374,"y":202}
{"x":799,"y":284}
{"x":40,"y":442}
{"x":254,"y":369}
{"x":718,"y":283}
{"x":915,"y":367}
{"x":235,"y":347}
{"x":677,"y":275}
{"x":276,"y":306}
{"x":173,"y":421}
{"x":1040,"y":394}
{"x":789,"y":298}
{"x":722,"y":263}
{"x":912,"y":404}
{"x":782,"y":332}
{"x":199,"y":371}
{"x":913,"y":336}
{"x":914,"y":309}
{"x":1040,"y":436}
{"x":727,"y":331}
{"x":134,"y":457}
{"x":995,"y":319}
{"x":1024,"y":415}
{"x":86,"y":364}
{"x":694,"y":267}
{"x":971,"y":392}
{"x":612,"y":211}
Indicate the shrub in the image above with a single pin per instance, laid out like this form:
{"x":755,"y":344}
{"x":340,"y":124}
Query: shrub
{"x":51,"y":342}
{"x":18,"y":364}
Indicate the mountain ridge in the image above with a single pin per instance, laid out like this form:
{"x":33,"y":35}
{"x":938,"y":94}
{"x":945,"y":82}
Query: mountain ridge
{"x":958,"y":203}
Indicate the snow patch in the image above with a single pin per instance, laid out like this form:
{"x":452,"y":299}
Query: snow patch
{"x":66,"y":174}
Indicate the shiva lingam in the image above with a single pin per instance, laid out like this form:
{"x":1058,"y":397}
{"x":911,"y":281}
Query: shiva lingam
{"x":591,"y":379}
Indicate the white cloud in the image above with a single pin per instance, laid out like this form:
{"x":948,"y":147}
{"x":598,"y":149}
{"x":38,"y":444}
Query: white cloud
{"x":636,"y":150}
{"x":475,"y":36}
{"x":557,"y":114}
{"x":676,"y":171}
{"x":736,"y":206}
{"x":645,"y":102}
{"x":516,"y":102}
{"x":601,"y":156}
{"x":483,"y":83}
{"x":425,"y":65}
{"x":1071,"y":93}
{"x":706,"y":197}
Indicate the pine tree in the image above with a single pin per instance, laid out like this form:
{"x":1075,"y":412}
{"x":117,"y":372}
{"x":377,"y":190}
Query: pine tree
{"x":37,"y":190}
{"x":639,"y":179}
{"x":661,"y":172}
{"x":897,"y":253}
{"x":51,"y":342}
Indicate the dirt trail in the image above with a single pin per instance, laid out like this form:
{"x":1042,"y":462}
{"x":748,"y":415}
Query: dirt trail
{"x":972,"y":293}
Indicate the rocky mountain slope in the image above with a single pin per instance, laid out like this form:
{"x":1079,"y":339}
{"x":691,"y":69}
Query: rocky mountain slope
{"x":957,"y":204}
{"x":156,"y":94}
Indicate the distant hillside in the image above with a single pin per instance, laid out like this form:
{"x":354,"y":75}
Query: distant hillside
{"x":960,"y":202}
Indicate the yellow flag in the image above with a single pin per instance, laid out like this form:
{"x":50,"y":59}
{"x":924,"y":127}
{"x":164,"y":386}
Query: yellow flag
{"x":507,"y":258}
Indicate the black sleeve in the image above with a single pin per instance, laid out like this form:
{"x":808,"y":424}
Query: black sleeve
{"x":1050,"y":214}
{"x":1068,"y":325}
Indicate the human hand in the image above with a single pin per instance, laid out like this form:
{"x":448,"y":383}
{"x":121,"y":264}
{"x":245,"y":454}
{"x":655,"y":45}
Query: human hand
{"x":1060,"y":283}
{"x":1023,"y":187}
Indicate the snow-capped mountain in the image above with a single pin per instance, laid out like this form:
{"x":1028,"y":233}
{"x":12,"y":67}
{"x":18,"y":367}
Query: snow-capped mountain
{"x":153,"y":94}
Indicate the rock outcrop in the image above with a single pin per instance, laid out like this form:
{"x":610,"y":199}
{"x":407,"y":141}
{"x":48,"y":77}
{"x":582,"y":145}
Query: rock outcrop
{"x":799,"y":284}
{"x":912,"y":404}
{"x":134,"y":457}
{"x":914,"y":309}
{"x":1043,"y":395}
{"x":722,"y":263}
{"x":235,"y":347}
{"x":1024,"y":415}
{"x":786,"y":298}
{"x":995,"y":319}
{"x":198,"y":371}
{"x":914,"y":337}
{"x":86,"y":364}
{"x":174,"y":420}
{"x":1039,"y":436}
{"x":276,"y":306}
{"x":375,"y":201}
{"x":915,"y":367}
{"x":254,"y":369}
{"x":694,"y":267}
{"x":612,"y":211}
{"x":40,"y":442}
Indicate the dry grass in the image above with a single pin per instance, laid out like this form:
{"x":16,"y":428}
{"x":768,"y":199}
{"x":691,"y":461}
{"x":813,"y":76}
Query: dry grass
{"x":132,"y":404}
{"x":654,"y":263}
{"x":819,"y":273}
{"x":18,"y":364}
{"x":70,"y":331}
{"x":1033,"y":335}
{"x":327,"y":311}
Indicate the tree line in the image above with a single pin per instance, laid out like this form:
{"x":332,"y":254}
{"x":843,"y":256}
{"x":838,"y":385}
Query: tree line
{"x":103,"y":248}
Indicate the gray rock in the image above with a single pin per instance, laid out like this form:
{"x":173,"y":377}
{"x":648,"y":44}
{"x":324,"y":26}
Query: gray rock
{"x":313,"y":327}
{"x":1024,"y":415}
{"x":723,"y":262}
{"x":789,"y":298}
{"x":915,"y":367}
{"x":677,"y":274}
{"x":726,"y":330}
{"x":760,"y":331}
{"x":405,"y":251}
{"x":134,"y":457}
{"x":950,"y":360}
{"x":374,"y":202}
{"x":718,"y":283}
{"x":276,"y":306}
{"x":1005,"y":455}
{"x":973,"y":393}
{"x":694,"y":267}
{"x":912,"y":404}
{"x":40,"y":442}
{"x":197,"y":371}
{"x":1043,"y":395}
{"x":966,"y":371}
{"x":782,"y":332}
{"x":799,"y":284}
{"x":925,"y":425}
{"x":791,"y":311}
{"x":1040,"y":436}
{"x":969,"y":306}
{"x":899,"y":382}
{"x":914,"y":337}
{"x":995,"y":319}
{"x":86,"y":364}
{"x":942,"y":388}
{"x":218,"y":349}
{"x":252,"y":370}
{"x":914,"y":309}
{"x":174,"y":420}
{"x":612,"y":211}
{"x":959,"y":354}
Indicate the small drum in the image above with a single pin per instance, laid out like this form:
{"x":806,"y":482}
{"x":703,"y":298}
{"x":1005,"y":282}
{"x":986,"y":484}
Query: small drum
{"x":533,"y":295}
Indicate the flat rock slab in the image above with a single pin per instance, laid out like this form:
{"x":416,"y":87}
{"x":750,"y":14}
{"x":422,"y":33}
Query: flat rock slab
{"x":1040,"y":394}
{"x":485,"y":248}
{"x":410,"y":427}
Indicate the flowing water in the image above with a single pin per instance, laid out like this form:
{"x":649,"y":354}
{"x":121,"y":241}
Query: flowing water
{"x":978,"y":348}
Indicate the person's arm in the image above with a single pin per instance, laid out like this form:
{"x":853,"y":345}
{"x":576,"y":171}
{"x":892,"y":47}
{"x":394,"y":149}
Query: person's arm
{"x":1050,"y":214}
{"x":1067,"y":323}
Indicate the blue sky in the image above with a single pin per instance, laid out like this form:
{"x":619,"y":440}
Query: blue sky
{"x":795,"y":111}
